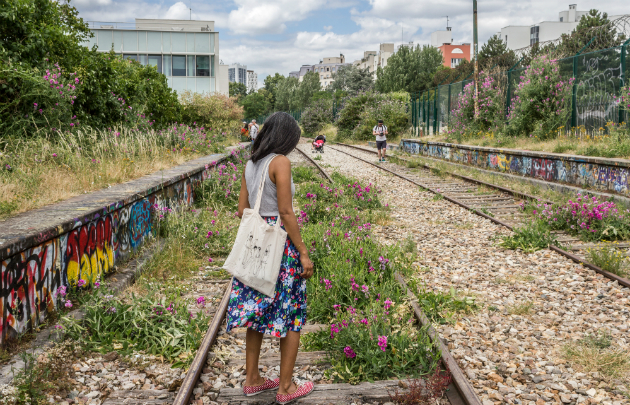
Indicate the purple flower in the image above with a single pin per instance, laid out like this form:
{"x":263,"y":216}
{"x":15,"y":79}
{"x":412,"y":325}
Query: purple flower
{"x":382,"y":342}
{"x":349,"y":352}
{"x":68,"y":304}
{"x":81,"y":283}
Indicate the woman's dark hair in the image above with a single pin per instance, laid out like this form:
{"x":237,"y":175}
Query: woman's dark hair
{"x":280,"y":134}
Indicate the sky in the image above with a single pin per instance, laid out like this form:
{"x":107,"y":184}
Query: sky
{"x":272,"y":36}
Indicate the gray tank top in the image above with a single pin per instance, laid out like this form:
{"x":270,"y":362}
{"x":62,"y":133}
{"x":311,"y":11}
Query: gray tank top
{"x":269,"y":202}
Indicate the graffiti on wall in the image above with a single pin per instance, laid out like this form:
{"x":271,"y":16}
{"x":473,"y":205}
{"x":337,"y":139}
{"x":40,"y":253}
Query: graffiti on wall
{"x":598,"y":176}
{"x":30,"y":279}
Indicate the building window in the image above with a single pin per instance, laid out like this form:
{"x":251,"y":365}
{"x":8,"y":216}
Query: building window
{"x":506,"y":39}
{"x":190,"y":65}
{"x":179,"y":65}
{"x":455,"y":62}
{"x":144,"y":60}
{"x":156,"y":60}
{"x":168,"y":65}
{"x":328,"y":69}
{"x":533,"y":35}
{"x":203,"y":66}
{"x":241,"y":75}
{"x":232,"y":75}
{"x":561,"y":18}
{"x":131,"y":57}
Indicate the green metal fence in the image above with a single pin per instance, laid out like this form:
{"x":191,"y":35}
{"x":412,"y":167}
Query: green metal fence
{"x":598,"y":79}
{"x":297,"y":114}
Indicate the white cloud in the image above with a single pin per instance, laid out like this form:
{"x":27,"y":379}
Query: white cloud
{"x":178,"y":11}
{"x":269,"y":16}
{"x":328,"y":27}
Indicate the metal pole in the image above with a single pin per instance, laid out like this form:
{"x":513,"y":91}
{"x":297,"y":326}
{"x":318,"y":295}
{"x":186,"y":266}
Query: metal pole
{"x":475,"y":47}
{"x":623,"y":81}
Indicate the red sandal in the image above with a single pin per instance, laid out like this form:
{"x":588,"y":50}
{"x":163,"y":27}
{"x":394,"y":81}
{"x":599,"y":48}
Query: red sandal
{"x":268,"y":385}
{"x":302,"y":390}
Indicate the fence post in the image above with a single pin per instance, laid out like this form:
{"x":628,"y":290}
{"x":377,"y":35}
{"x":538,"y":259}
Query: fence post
{"x":448,"y":112}
{"x":622,"y":82}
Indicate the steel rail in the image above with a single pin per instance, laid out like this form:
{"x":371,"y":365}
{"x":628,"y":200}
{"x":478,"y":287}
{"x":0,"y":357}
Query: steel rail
{"x":464,"y":392}
{"x":321,"y":170}
{"x":192,"y":377}
{"x":621,"y":280}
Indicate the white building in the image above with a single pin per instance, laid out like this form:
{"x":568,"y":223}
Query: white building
{"x":521,"y":36}
{"x":325,"y":69}
{"x":385,"y":51}
{"x":185,"y":51}
{"x":439,"y":38}
{"x":252,"y":81}
{"x":237,"y":73}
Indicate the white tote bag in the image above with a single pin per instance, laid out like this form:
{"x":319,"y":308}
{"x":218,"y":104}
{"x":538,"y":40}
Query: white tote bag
{"x":257,"y":252}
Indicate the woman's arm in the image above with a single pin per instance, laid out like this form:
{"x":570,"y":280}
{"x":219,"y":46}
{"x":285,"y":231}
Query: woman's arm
{"x":243,"y":197}
{"x":280,"y":174}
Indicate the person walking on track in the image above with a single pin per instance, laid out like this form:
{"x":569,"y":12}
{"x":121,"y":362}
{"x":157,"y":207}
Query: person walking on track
{"x":380,"y":131}
{"x":253,"y":130}
{"x":284,"y":314}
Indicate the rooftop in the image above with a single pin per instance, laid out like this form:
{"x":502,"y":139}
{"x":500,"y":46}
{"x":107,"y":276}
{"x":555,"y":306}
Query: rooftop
{"x":155,"y":25}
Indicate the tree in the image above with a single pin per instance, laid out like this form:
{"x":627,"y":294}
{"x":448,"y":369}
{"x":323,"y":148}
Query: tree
{"x":603,"y":38}
{"x":409,"y":69}
{"x":286,"y":93}
{"x":32,"y":31}
{"x":237,"y":89}
{"x":352,"y":79}
{"x":256,"y":104}
{"x":308,"y":87}
{"x":496,"y":53}
{"x":271,"y":85}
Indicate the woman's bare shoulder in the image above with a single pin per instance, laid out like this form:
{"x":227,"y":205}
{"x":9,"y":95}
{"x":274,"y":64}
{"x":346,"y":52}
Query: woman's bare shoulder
{"x":280,"y":162}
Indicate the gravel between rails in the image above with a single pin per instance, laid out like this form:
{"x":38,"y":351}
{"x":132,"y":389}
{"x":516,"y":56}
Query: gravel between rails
{"x":508,"y":358}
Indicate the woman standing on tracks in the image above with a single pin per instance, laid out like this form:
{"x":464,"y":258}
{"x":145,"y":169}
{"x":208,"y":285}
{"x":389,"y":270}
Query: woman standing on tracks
{"x":283,"y":315}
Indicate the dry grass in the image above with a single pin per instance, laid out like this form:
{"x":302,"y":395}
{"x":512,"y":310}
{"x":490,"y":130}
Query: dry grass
{"x":41,"y":171}
{"x":521,"y":308}
{"x":598,"y":353}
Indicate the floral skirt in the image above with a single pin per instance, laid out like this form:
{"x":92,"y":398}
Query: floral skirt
{"x":275,"y":316}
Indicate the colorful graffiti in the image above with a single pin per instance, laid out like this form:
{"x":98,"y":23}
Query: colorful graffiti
{"x":30,"y":279}
{"x":612,"y":178}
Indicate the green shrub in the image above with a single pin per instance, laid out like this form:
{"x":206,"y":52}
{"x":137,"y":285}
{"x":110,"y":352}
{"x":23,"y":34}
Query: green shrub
{"x":211,"y":110}
{"x":360,"y":114}
{"x":609,"y":258}
{"x":316,"y":116}
{"x":542,"y":101}
{"x":531,"y":237}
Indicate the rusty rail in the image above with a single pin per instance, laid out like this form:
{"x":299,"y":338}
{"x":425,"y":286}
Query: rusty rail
{"x":322,"y":171}
{"x":621,"y":280}
{"x":188,"y":385}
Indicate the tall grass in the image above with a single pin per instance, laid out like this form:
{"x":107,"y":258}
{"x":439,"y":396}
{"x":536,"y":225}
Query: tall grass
{"x":41,"y":170}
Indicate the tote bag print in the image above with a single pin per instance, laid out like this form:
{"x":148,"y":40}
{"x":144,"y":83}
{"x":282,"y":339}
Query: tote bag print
{"x":257,"y":253}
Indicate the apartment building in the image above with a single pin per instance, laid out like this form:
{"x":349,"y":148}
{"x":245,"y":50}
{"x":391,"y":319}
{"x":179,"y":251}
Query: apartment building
{"x":252,"y":81}
{"x":325,"y":69}
{"x":237,"y":73}
{"x":521,"y":36}
{"x":453,"y":54}
{"x":368,"y":61}
{"x":185,"y":51}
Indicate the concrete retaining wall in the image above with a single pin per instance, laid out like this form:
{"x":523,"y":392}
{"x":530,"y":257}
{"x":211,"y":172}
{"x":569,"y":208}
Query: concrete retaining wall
{"x":610,"y":175}
{"x":83,"y":238}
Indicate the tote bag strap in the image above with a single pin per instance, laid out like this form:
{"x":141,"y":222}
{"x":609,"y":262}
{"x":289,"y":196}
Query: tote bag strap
{"x":261,"y":187}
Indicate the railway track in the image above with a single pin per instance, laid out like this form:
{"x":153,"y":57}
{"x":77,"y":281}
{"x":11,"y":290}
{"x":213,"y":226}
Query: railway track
{"x":460,"y":391}
{"x":500,"y":205}
{"x":496,"y":204}
{"x":543,"y":285}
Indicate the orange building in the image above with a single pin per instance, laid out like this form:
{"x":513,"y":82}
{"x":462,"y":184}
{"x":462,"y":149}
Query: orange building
{"x":454,"y":54}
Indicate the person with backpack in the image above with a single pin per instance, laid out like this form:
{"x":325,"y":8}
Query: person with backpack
{"x":380,"y":131}
{"x":253,"y":130}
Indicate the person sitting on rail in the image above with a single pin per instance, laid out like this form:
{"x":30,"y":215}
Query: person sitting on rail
{"x":318,"y":143}
{"x":284,"y":314}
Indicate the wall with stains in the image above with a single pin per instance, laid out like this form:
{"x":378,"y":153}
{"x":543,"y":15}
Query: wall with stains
{"x":610,"y":175}
{"x":35,"y":266}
